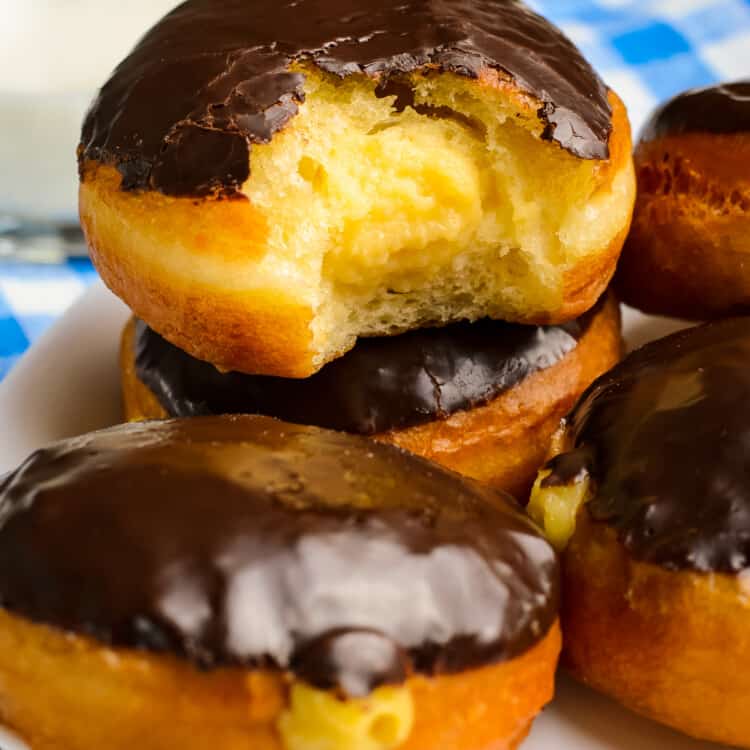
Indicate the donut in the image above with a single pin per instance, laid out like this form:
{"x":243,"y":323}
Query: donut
{"x":483,"y":399}
{"x":239,"y":582}
{"x":265,"y":182}
{"x":687,"y":253}
{"x":649,"y":498}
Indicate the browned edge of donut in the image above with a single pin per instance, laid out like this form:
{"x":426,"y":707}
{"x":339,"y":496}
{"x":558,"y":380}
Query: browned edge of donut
{"x":671,"y":645}
{"x":502,"y":443}
{"x":688,"y":254}
{"x":66,"y":692}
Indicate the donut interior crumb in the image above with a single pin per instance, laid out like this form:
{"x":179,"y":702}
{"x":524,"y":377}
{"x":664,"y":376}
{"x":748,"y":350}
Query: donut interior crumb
{"x":398,"y":210}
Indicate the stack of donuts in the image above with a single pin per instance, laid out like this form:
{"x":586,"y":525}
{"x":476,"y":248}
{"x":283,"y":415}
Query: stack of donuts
{"x":391,"y":225}
{"x":383,"y":219}
{"x":368,"y":247}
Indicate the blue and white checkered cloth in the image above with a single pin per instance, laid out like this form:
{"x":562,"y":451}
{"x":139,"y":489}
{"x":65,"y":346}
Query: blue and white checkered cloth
{"x":650,"y":50}
{"x":32,"y":297}
{"x":646,"y":50}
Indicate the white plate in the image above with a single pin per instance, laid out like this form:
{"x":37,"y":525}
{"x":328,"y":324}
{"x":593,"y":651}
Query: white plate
{"x":68,"y":383}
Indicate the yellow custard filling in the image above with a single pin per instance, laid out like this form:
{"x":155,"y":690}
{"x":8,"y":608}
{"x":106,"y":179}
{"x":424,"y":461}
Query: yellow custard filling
{"x":319,"y":720}
{"x":555,"y":508}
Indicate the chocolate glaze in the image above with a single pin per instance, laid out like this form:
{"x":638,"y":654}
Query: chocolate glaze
{"x":382,"y":384}
{"x":181,"y":111}
{"x":244,"y":540}
{"x":723,"y":109}
{"x":568,"y":468}
{"x":666,"y":438}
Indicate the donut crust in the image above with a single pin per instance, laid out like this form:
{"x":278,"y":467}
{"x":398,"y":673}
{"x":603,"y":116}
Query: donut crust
{"x":671,"y":645}
{"x":59,"y":690}
{"x":197,"y":270}
{"x":688,"y":254}
{"x":502,"y":443}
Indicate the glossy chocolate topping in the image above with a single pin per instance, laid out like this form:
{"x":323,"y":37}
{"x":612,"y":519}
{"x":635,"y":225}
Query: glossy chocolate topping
{"x":181,"y":111}
{"x":382,"y":384}
{"x":720,"y":110}
{"x":244,"y":540}
{"x":666,"y":438}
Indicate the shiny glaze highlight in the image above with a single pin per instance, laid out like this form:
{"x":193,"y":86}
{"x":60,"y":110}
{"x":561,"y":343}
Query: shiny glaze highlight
{"x":247,"y":541}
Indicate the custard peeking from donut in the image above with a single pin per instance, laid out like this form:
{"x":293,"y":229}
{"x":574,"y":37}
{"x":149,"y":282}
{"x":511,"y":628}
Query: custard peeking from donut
{"x":250,"y":583}
{"x":647,"y":496}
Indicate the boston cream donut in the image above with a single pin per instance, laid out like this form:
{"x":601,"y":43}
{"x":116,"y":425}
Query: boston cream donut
{"x":483,"y":399}
{"x":263,"y":182}
{"x":688,"y":252}
{"x":241,"y":583}
{"x":653,"y":495}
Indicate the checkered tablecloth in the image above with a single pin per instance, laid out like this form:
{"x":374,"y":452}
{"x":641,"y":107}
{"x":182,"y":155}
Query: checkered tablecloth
{"x":650,"y":50}
{"x":647,"y":50}
{"x":32,"y":296}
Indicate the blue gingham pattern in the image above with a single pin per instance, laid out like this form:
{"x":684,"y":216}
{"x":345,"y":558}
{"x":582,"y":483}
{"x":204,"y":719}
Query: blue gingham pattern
{"x":32,"y":296}
{"x":650,"y":50}
{"x":646,"y":50}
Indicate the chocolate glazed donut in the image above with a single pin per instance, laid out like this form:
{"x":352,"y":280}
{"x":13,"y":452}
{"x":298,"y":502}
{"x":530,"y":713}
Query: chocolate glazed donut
{"x":483,"y":399}
{"x":655,"y":462}
{"x":324,"y":171}
{"x":687,"y":252}
{"x":233,"y":581}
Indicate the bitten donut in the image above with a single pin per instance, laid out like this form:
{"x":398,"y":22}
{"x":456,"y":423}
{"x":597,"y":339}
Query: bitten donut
{"x":652,"y":490}
{"x":687,"y":254}
{"x":483,"y":399}
{"x":242,"y":583}
{"x":265,"y":181}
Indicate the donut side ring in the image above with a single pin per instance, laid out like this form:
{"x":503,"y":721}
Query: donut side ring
{"x":656,"y":640}
{"x":506,"y":441}
{"x":54,"y":683}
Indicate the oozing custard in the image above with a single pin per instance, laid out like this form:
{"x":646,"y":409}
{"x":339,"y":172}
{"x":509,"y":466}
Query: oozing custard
{"x":381,"y":721}
{"x":658,"y":449}
{"x":555,"y":507}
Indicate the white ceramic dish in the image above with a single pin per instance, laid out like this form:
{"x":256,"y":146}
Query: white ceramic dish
{"x":68,"y":384}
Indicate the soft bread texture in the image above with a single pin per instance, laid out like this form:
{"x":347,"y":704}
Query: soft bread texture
{"x":502,"y":443}
{"x":673,"y":646}
{"x":364,"y":220}
{"x":689,"y":249}
{"x":121,"y":699}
